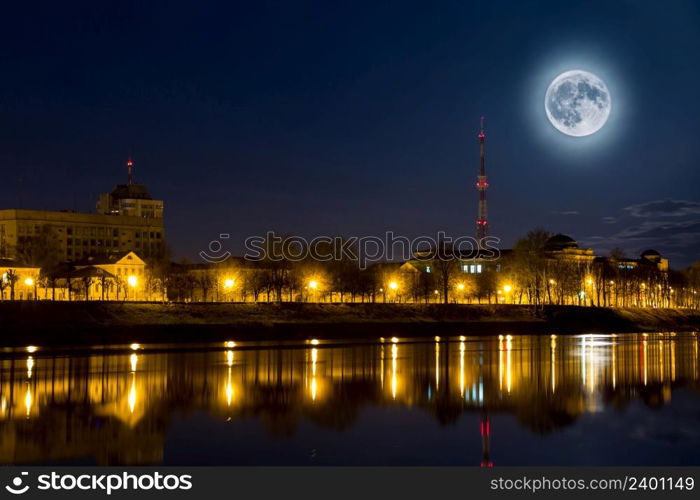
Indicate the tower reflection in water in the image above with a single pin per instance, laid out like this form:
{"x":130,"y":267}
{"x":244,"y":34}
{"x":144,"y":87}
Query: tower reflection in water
{"x":116,"y":407}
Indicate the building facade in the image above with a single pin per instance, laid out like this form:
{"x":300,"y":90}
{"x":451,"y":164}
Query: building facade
{"x":127,"y":219}
{"x":80,"y":235}
{"x":18,"y":281}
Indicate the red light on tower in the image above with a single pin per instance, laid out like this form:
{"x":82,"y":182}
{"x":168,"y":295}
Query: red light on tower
{"x":129,"y":165}
{"x":485,"y":430}
{"x":481,"y":186}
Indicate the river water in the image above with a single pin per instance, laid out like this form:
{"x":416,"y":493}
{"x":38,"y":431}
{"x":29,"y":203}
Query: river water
{"x":629,"y":399}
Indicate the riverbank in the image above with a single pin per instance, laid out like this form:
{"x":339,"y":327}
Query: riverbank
{"x":23,"y":323}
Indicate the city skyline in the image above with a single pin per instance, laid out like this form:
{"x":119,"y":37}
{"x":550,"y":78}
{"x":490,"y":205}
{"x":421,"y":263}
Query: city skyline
{"x":262,"y":126}
{"x":454,"y":236}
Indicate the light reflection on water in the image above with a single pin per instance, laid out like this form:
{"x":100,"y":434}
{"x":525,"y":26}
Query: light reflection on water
{"x":139,"y":406}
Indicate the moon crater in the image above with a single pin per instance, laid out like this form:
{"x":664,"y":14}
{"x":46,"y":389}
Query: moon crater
{"x":577,"y":103}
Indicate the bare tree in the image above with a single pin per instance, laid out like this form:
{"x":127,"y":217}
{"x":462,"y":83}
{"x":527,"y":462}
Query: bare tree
{"x":529,"y":258}
{"x":12,"y":278}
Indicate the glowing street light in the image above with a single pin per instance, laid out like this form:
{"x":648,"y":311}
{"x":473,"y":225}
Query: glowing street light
{"x":394,"y":285}
{"x":460,"y":286}
{"x":132,"y":281}
{"x":29,"y":282}
{"x":313,"y":284}
{"x":228,"y":283}
{"x":507,"y":288}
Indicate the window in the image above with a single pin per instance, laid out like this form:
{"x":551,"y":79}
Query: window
{"x":427,"y":269}
{"x":478,"y":268}
{"x":472,"y":268}
{"x":465,"y":268}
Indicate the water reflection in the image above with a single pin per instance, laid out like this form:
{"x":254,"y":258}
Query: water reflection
{"x":117,"y":408}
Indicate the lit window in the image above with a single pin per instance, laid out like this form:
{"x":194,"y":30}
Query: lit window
{"x":427,"y":269}
{"x":478,"y":268}
{"x":472,"y":268}
{"x":465,"y":268}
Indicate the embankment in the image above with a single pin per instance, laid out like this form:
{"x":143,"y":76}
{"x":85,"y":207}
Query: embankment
{"x":71,"y":323}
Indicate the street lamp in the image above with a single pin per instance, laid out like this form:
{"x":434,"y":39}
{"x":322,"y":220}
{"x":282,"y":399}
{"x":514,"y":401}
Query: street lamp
{"x":228,"y":283}
{"x":312,"y":286}
{"x":132,"y":281}
{"x":30,"y":282}
{"x":507,"y":289}
{"x":393,"y":286}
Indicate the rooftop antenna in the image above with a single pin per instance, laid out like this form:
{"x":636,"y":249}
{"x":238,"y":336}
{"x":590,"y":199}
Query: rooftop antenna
{"x":482,"y":221}
{"x":129,"y":168}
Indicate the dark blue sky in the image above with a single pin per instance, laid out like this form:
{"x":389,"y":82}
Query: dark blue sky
{"x":355,"y":118}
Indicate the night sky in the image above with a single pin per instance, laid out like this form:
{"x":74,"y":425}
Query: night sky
{"x":356,"y":118}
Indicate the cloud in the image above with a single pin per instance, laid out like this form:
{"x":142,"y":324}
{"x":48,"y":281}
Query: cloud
{"x":670,"y":226}
{"x":664,"y":208}
{"x":677,"y":239}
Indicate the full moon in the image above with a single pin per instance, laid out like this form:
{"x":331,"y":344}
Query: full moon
{"x":577,"y":103}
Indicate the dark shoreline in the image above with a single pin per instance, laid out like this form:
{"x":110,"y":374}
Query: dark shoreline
{"x":95,"y":323}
